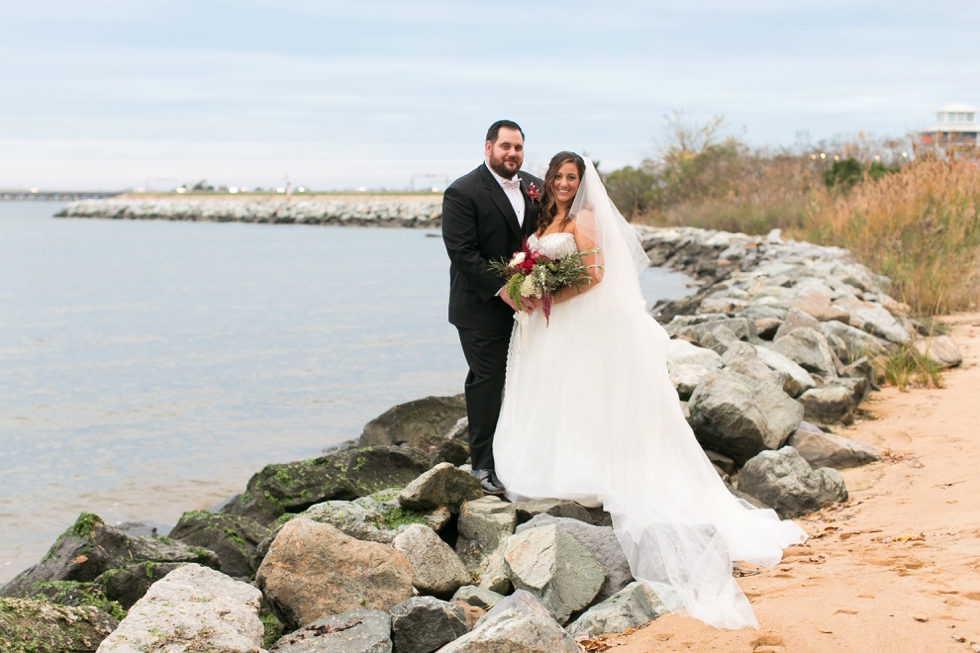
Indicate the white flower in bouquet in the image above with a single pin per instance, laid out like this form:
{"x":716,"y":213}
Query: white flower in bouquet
{"x":530,"y":287}
{"x":518,"y":259}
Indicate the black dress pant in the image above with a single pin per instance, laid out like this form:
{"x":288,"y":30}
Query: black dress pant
{"x":486,"y":355}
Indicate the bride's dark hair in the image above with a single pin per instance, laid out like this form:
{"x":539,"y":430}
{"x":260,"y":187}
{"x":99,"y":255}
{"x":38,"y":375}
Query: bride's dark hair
{"x":549,"y":205}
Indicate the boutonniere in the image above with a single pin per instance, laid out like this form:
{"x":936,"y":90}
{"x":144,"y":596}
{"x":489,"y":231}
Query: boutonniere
{"x":533,"y":193}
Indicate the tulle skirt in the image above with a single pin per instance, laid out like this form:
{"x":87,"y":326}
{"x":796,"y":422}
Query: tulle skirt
{"x":589,"y":414}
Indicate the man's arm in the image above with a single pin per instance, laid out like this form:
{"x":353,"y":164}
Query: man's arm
{"x":460,"y":235}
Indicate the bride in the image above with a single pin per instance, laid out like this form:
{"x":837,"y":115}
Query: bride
{"x":589,"y":414}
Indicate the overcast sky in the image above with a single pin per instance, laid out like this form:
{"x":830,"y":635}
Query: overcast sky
{"x":107,"y":94}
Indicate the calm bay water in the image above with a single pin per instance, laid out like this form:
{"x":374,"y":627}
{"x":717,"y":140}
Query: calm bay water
{"x":147,"y":368}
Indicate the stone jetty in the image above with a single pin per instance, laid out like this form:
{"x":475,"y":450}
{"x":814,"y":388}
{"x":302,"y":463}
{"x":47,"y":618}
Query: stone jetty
{"x":380,"y":211}
{"x":385,"y":542}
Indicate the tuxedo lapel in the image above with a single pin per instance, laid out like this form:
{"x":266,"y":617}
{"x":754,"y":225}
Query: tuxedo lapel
{"x":500,"y":198}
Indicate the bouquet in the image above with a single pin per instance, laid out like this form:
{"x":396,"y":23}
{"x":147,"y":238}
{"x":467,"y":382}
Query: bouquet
{"x":532,"y":274}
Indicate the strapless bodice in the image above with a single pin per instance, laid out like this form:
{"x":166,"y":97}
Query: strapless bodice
{"x":554,"y":246}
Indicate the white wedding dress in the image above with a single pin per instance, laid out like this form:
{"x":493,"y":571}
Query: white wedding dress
{"x":589,"y":414}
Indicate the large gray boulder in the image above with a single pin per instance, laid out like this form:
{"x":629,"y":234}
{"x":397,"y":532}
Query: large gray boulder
{"x":741,"y":357}
{"x":828,"y":450}
{"x":354,"y":519}
{"x":443,"y":486}
{"x":91,"y":550}
{"x":852,"y":343}
{"x":35,"y":626}
{"x":682,"y":352}
{"x":796,"y":380}
{"x":232,"y":538}
{"x":435,"y":568}
{"x":357,"y":631}
{"x":493,"y":573}
{"x":743,"y":328}
{"x":784,"y":480}
{"x":294,"y":487}
{"x":719,"y":339}
{"x":486,"y":522}
{"x":554,"y":567}
{"x":758,"y":312}
{"x":796,"y":319}
{"x":423,"y":424}
{"x":941,"y":350}
{"x":128,"y":584}
{"x":738,"y":416}
{"x":809,"y":349}
{"x":518,"y":624}
{"x":601,"y":542}
{"x":423,"y":624}
{"x":477,"y":597}
{"x":858,"y":386}
{"x":634,"y":605}
{"x":874,"y":319}
{"x":828,"y":405}
{"x":687,"y":364}
{"x":193,"y":609}
{"x":527,"y":510}
{"x":820,"y":308}
{"x":314,"y":569}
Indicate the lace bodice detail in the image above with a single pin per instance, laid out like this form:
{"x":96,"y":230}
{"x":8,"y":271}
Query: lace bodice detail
{"x":558,"y":245}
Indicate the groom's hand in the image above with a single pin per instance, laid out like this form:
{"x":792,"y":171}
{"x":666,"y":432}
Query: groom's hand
{"x":528,"y":304}
{"x":507,"y":300}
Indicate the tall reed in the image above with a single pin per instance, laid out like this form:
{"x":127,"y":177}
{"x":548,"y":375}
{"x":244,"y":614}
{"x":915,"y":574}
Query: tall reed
{"x":920,"y":227}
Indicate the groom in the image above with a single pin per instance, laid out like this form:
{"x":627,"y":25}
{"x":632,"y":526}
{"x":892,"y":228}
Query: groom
{"x":486,"y":215}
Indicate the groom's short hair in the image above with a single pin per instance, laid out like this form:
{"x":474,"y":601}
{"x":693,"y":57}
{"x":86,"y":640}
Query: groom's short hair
{"x":494,"y":130}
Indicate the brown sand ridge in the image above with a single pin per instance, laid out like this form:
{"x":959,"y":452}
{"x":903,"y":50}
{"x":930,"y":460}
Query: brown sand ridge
{"x":895,"y":569}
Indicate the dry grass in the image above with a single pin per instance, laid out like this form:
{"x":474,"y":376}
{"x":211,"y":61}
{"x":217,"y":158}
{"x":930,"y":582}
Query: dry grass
{"x":920,"y":227}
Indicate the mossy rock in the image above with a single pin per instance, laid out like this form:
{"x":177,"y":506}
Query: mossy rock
{"x":75,"y":594}
{"x":128,"y":584}
{"x":231,"y":537}
{"x":90,"y":548}
{"x":293,"y":487}
{"x":423,"y":424}
{"x":36,"y":626}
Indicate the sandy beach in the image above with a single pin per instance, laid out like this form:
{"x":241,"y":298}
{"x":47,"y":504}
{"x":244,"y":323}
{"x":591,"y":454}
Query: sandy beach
{"x":895,"y":569}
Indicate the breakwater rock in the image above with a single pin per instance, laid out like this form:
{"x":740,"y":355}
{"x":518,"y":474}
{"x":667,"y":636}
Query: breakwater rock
{"x":410,"y":211}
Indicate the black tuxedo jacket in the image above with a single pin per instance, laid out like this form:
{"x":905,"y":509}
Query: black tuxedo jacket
{"x":479,"y":225}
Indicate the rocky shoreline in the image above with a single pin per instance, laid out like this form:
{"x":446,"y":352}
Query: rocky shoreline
{"x":367,"y":211}
{"x":386,"y":542}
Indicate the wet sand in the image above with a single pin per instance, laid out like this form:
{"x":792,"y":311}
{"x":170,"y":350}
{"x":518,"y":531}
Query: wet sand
{"x":895,"y":569}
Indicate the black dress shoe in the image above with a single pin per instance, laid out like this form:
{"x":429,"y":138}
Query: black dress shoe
{"x":489,"y":482}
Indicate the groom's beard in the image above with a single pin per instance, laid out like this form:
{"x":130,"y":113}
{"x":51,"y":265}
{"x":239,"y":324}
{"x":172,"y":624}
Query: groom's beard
{"x":497,"y":165}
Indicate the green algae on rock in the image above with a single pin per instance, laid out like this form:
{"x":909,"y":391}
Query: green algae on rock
{"x":293,"y":487}
{"x":231,"y":537}
{"x":90,"y":550}
{"x":35,"y":626}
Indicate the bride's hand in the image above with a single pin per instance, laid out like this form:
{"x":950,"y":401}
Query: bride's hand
{"x":530,"y":304}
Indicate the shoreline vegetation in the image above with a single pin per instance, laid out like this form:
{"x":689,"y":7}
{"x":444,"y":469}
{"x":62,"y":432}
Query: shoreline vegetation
{"x":906,"y":211}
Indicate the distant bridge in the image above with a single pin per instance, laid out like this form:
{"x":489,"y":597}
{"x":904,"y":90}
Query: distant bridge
{"x":37,"y":195}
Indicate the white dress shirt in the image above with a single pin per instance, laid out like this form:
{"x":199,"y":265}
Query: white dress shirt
{"x":512,"y":189}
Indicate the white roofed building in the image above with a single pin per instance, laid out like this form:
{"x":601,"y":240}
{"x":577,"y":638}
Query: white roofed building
{"x":956,"y":124}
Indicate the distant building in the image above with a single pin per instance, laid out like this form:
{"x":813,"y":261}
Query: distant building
{"x":956,"y":126}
